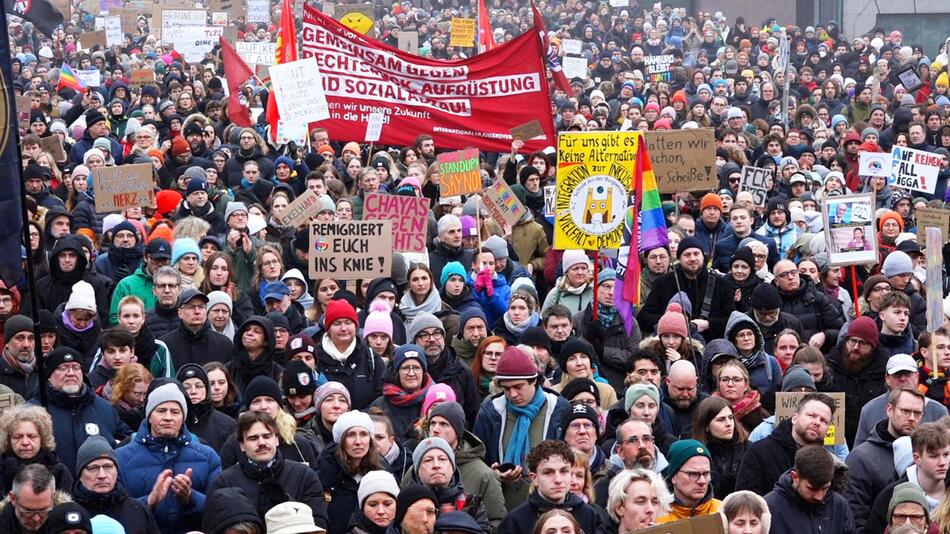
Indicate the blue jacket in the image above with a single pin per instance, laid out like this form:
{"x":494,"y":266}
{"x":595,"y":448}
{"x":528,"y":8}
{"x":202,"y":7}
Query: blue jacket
{"x":143,"y":459}
{"x":784,"y":237}
{"x":83,"y":145}
{"x":490,"y":423}
{"x":496,"y":305}
{"x":708,"y":238}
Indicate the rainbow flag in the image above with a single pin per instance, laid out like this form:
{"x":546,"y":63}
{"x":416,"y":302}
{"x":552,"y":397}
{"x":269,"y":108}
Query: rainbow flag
{"x":644,"y":229}
{"x":67,"y":78}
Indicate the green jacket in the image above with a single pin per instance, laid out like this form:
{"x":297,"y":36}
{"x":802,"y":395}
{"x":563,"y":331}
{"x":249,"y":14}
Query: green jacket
{"x":139,"y":284}
{"x":479,"y":479}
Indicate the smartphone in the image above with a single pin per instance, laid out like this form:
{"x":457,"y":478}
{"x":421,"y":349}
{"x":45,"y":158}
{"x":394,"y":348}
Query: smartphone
{"x":506,"y":467}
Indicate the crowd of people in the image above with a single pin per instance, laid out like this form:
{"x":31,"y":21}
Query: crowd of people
{"x":193,"y":376}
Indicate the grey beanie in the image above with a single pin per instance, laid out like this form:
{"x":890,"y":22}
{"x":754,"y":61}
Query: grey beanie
{"x":169,"y":392}
{"x":234,"y":207}
{"x":195,"y":172}
{"x":869,"y":131}
{"x":897,"y":263}
{"x":797,"y":377}
{"x":423,"y":321}
{"x":92,"y":449}
{"x":219,"y":297}
{"x":908,"y":492}
{"x":498,"y":247}
{"x":15,"y":325}
{"x":427,"y":445}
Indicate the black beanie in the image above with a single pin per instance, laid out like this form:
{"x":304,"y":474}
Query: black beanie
{"x":779,"y":203}
{"x":535,"y":337}
{"x":410,"y":495}
{"x":579,"y":411}
{"x":93,"y":117}
{"x":687,"y":243}
{"x":744,"y":254}
{"x":15,"y":325}
{"x":47,"y":322}
{"x":193,"y":370}
{"x":765,"y":297}
{"x":297,"y":379}
{"x":526,"y":172}
{"x":65,"y":517}
{"x":262,"y":386}
{"x":580,"y":385}
{"x":573,"y":345}
{"x":59,"y":356}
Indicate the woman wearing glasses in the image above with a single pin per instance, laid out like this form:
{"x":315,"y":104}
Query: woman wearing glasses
{"x":404,"y":388}
{"x":714,"y":424}
{"x":485,"y":364}
{"x":735,"y":390}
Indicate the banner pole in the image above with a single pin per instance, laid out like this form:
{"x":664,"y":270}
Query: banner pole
{"x":596,"y":262}
{"x":854,"y":289}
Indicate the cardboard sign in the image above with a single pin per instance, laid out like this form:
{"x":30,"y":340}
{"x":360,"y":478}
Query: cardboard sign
{"x":63,"y":6}
{"x":850,"y":232}
{"x":128,"y":17}
{"x":298,"y":88}
{"x":701,"y":524}
{"x":459,"y":173}
{"x":350,"y":250}
{"x":114,"y":35}
{"x":219,"y":18}
{"x":658,"y":67}
{"x":301,"y":210}
{"x":932,"y":218}
{"x":572,"y":46}
{"x":503,"y":205}
{"x":574,"y":67}
{"x":258,"y":11}
{"x":910,"y":78}
{"x":528,"y":130}
{"x":142,"y":77}
{"x":914,"y":169}
{"x":54,"y":146}
{"x":757,"y":181}
{"x":193,"y":42}
{"x":89,"y":77}
{"x":786,"y":402}
{"x":934,"y":289}
{"x":125,"y":186}
{"x":874,"y":164}
{"x":463,"y":33}
{"x":7,"y":401}
{"x":549,"y":191}
{"x":256,"y":53}
{"x":23,"y":107}
{"x":374,"y":127}
{"x":234,"y":8}
{"x":683,"y":160}
{"x":90,"y":40}
{"x":408,"y":42}
{"x":409,"y":217}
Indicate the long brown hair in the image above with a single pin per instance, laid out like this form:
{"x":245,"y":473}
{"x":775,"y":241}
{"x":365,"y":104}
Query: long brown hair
{"x":231,"y":289}
{"x":477,"y":369}
{"x":267,"y":248}
{"x":370,"y":462}
{"x":707,"y":410}
{"x":539,"y":525}
{"x":231,"y":396}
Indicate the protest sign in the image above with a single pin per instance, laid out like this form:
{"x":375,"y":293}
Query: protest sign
{"x":572,"y":46}
{"x":358,"y":17}
{"x":7,"y":401}
{"x":549,"y":192}
{"x":700,"y":524}
{"x":786,"y":402}
{"x":350,"y":250}
{"x":683,"y":160}
{"x":850,"y":232}
{"x":503,"y":206}
{"x":757,"y":181}
{"x":291,"y":131}
{"x":194,"y":42}
{"x":257,"y":11}
{"x":126,"y":186}
{"x":234,"y":8}
{"x":257,"y":53}
{"x":54,"y":146}
{"x":301,"y":210}
{"x":63,"y":6}
{"x":459,"y":173}
{"x":472,"y":102}
{"x":299,"y":90}
{"x":910,"y":78}
{"x":409,"y":216}
{"x":931,"y":218}
{"x":23,"y":106}
{"x":219,"y":18}
{"x":574,"y":67}
{"x":89,"y":77}
{"x":408,"y":42}
{"x":128,"y":18}
{"x":175,"y":19}
{"x":140,"y":77}
{"x":99,"y":23}
{"x":90,"y":6}
{"x":374,"y":127}
{"x":463,"y":32}
{"x":658,"y":67}
{"x":934,"y":256}
{"x":914,"y":169}
{"x":874,"y":164}
{"x":90,"y":40}
{"x":529,"y":130}
{"x":594,"y":179}
{"x":114,"y":34}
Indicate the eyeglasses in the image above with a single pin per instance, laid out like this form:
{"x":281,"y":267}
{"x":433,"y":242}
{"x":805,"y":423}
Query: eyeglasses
{"x":732,"y":379}
{"x":410,"y":370}
{"x":881,"y":288}
{"x":916,"y":414}
{"x":907,"y":518}
{"x":696,"y":475}
{"x":193,"y":307}
{"x":491,"y":355}
{"x":106,"y":468}
{"x":581,"y":425}
{"x":787,"y":274}
{"x":646,"y":439}
{"x":164,"y":287}
{"x":269,"y":263}
{"x":853,"y":341}
{"x":427,"y":336}
{"x":36,"y":513}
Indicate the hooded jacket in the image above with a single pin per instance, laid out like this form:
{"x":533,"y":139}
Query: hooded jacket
{"x":792,"y":515}
{"x":443,"y":254}
{"x":860,"y":387}
{"x":377,"y":286}
{"x":765,"y":373}
{"x":708,"y":505}
{"x":765,"y":460}
{"x":242,"y":368}
{"x":54,"y":289}
{"x":614,"y":347}
{"x":210,"y":425}
{"x":721,"y":303}
{"x":492,"y":420}
{"x":814,"y":309}
{"x":870,"y":470}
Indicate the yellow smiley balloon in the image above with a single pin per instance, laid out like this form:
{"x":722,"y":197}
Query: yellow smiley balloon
{"x":357,"y":22}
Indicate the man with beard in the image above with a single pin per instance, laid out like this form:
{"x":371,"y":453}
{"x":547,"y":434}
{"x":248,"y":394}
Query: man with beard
{"x":197,"y":204}
{"x":681,"y":394}
{"x":634,"y":448}
{"x":125,"y":253}
{"x":194,"y":133}
{"x":473,"y":329}
{"x":820,"y":318}
{"x":857,"y":368}
{"x":871,"y":464}
{"x":443,"y":365}
{"x":18,"y":364}
{"x":766,"y":460}
{"x":265,"y":476}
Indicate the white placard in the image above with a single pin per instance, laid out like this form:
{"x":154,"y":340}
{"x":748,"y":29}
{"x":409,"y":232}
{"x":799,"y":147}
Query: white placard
{"x":90,"y":77}
{"x":574,"y":67}
{"x":99,"y":23}
{"x":298,"y":87}
{"x":256,"y":53}
{"x":374,"y":127}
{"x":572,"y":46}
{"x":914,"y":169}
{"x":874,"y":164}
{"x":291,"y":131}
{"x":194,"y":43}
{"x":174,"y":19}
{"x":258,"y":11}
{"x":113,"y":27}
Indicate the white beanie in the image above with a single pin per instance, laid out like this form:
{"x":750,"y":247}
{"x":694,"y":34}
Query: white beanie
{"x":571,"y":258}
{"x":377,"y":482}
{"x":111,"y":220}
{"x":83,"y":297}
{"x":349,"y":420}
{"x":169,"y":392}
{"x":219,"y":297}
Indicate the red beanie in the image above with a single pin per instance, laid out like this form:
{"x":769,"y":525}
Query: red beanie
{"x":338,"y":309}
{"x":179,"y":145}
{"x":864,"y":328}
{"x":711,"y":200}
{"x":514,"y":364}
{"x":673,"y":321}
{"x":167,"y":201}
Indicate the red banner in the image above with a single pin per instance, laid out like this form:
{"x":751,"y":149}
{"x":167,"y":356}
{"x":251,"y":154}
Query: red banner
{"x":469,"y":103}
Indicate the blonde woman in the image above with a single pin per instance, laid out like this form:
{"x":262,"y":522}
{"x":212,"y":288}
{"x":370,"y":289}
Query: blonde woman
{"x":28,"y":420}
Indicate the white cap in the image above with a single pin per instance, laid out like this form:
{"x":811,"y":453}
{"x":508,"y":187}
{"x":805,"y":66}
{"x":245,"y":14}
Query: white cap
{"x":901,"y":362}
{"x":291,"y":518}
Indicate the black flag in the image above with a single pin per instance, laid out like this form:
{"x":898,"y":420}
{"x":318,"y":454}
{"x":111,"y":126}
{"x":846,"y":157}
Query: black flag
{"x":11,"y":225}
{"x":41,"y":13}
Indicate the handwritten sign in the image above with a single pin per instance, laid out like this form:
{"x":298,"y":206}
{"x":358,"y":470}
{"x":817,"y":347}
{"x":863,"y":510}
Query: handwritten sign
{"x":529,"y":130}
{"x":142,"y":77}
{"x":658,"y":67}
{"x":914,"y":169}
{"x":409,"y":217}
{"x":572,"y":46}
{"x":932,"y":218}
{"x":874,"y":164}
{"x":125,"y":186}
{"x":549,"y":193}
{"x":374,"y":127}
{"x":786,"y":402}
{"x":258,"y":11}
{"x":128,"y":17}
{"x":301,"y":210}
{"x":463,"y":32}
{"x":298,"y":87}
{"x":459,"y":172}
{"x":574,"y":67}
{"x":350,"y":250}
{"x":193,"y":42}
{"x":683,"y":160}
{"x":114,"y":36}
{"x":256,"y":53}
{"x":54,"y":146}
{"x":175,"y":19}
{"x":757,"y":181}
{"x":503,"y":205}
{"x":291,"y":131}
{"x":90,"y":77}
{"x":90,"y":40}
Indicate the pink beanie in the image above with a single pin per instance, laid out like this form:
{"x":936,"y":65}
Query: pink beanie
{"x":437,"y":393}
{"x":378,"y":321}
{"x":673,"y":321}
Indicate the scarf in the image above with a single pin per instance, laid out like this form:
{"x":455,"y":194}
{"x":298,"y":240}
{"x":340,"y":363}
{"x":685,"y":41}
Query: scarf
{"x":520,"y":442}
{"x":516,"y":329}
{"x":432,"y":304}
{"x":96,"y":503}
{"x":606,"y":315}
{"x":330,"y":349}
{"x":568,"y":288}
{"x":454,"y":302}
{"x":534,"y":201}
{"x":484,"y":385}
{"x":397,"y":396}
{"x":250,"y":368}
{"x":745,"y":405}
{"x":24,"y":368}
{"x":69,"y":324}
{"x":749,"y":361}
{"x":228,"y":331}
{"x":267,"y":477}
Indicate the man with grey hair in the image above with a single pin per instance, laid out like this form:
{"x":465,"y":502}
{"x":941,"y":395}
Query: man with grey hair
{"x":635,"y":448}
{"x":31,"y":500}
{"x":448,"y":247}
{"x":166,"y":286}
{"x":444,"y":366}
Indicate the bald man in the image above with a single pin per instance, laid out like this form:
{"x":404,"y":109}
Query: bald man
{"x":821,"y":318}
{"x":681,"y":393}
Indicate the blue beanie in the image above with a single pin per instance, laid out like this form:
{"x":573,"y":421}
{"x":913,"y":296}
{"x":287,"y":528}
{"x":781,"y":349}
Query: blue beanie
{"x":837,"y":119}
{"x":284,"y":160}
{"x":451,"y":268}
{"x":126,"y":225}
{"x":409,"y":350}
{"x":473,"y":312}
{"x":702,"y":86}
{"x":606,"y":275}
{"x":182,"y":246}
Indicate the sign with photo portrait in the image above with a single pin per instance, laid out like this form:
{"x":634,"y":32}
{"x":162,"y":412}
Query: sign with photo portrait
{"x":850,"y":233}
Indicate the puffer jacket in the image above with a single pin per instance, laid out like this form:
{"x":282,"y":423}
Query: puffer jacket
{"x":765,"y":374}
{"x":815,"y":310}
{"x":792,"y":515}
{"x":362,"y":372}
{"x":614,"y":347}
{"x":870,"y":470}
{"x":201,"y":347}
{"x":211,"y":426}
{"x":161,"y":320}
{"x":143,"y":459}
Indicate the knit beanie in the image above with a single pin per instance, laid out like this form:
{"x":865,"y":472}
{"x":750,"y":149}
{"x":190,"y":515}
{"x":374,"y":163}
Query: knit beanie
{"x":797,"y":377}
{"x":744,"y":254}
{"x":474,"y":312}
{"x":409,"y":351}
{"x":167,"y":392}
{"x":166,"y":201}
{"x":579,"y":411}
{"x":908,"y":492}
{"x":897,"y":263}
{"x":688,"y":242}
{"x":873,"y":281}
{"x":83,"y":297}
{"x":219,"y":297}
{"x":377,"y":481}
{"x":297,"y":379}
{"x":469,"y":226}
{"x":423,"y":321}
{"x":571,"y":258}
{"x":59,"y":356}
{"x":535,"y":337}
{"x":498,"y":247}
{"x":635,"y":391}
{"x":437,"y":394}
{"x":338,"y":309}
{"x":348,"y":420}
{"x":578,"y":386}
{"x":575,"y":345}
{"x":300,"y":343}
{"x":93,"y":448}
{"x":455,"y":268}
{"x":234,"y":207}
{"x":890,"y":215}
{"x":66,"y":517}
{"x":606,"y":275}
{"x":457,"y":522}
{"x":183,"y":246}
{"x":680,"y":452}
{"x":865,"y":329}
{"x":452,"y":412}
{"x":429,"y":444}
{"x":103,"y":524}
{"x":410,"y":495}
{"x":47,"y":323}
{"x":711,"y":200}
{"x":262,"y":386}
{"x":514,"y":364}
{"x":111,"y":220}
{"x":379,"y":320}
{"x":16,"y":324}
{"x":195,"y":183}
{"x":765,"y":297}
{"x":179,"y":146}
{"x":328,"y":389}
{"x":193,"y":370}
{"x":673,"y":322}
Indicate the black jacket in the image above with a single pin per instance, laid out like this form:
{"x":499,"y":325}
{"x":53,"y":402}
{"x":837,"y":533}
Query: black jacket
{"x":362,"y":374}
{"x":726,"y":458}
{"x":523,"y":518}
{"x":207,"y":213}
{"x":54,"y":289}
{"x":815,"y":311}
{"x":201,"y":347}
{"x":161,"y":320}
{"x":136,"y":517}
{"x":300,"y":451}
{"x":721,"y":305}
{"x":792,"y":515}
{"x":766,"y":460}
{"x":341,"y":487}
{"x":859,"y":387}
{"x":11,"y":464}
{"x":242,"y":368}
{"x":211,"y":426}
{"x":27,"y":386}
{"x":442,"y":254}
{"x":449,"y":370}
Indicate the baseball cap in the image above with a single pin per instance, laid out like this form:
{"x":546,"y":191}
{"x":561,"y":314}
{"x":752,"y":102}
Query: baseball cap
{"x":276,"y":290}
{"x":189,"y":294}
{"x":158,"y":249}
{"x":798,"y":178}
{"x":901,"y":362}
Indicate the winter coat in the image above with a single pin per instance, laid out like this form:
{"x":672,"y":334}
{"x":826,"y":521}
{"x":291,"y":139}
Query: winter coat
{"x":134,"y":515}
{"x":10,"y":464}
{"x":300,"y":450}
{"x":918,"y":310}
{"x":870,"y":470}
{"x":207,"y":212}
{"x":83,"y":145}
{"x":117,"y":263}
{"x":784,"y":237}
{"x":449,"y":370}
{"x":902,"y":343}
{"x":442,"y":255}
{"x":493,"y":414}
{"x":161,"y":320}
{"x":143,"y":459}
{"x":574,"y":302}
{"x":85,"y":214}
{"x":709,"y":237}
{"x":139,"y":284}
{"x":362,"y":372}
{"x":294,"y":481}
{"x":403,"y":418}
{"x":860,"y":387}
{"x":765,"y":374}
{"x":792,"y":515}
{"x":607,"y":394}
{"x":234,"y":166}
{"x":765,"y":461}
{"x":522,"y":519}
{"x":815,"y":310}
{"x":211,"y":426}
{"x":10,"y":524}
{"x":478,"y":478}
{"x":26,"y":386}
{"x":876,"y":409}
{"x":75,"y":418}
{"x":201,"y":347}
{"x":341,"y":489}
{"x":530,"y":242}
{"x":495,"y":305}
{"x":721,"y":303}
{"x":455,"y":497}
{"x":54,"y":289}
{"x":614,"y":347}
{"x":678,"y":511}
{"x":770,"y":333}
{"x":242,"y":368}
{"x":85,"y":342}
{"x":726,"y":459}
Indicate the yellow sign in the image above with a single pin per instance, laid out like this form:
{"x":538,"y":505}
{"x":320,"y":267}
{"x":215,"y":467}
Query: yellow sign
{"x":594,"y":180}
{"x":463,"y":33}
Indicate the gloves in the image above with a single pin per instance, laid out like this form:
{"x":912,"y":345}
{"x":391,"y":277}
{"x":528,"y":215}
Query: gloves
{"x":483,"y":282}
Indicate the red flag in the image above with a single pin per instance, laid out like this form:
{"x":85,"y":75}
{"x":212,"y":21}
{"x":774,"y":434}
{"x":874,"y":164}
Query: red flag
{"x":486,"y":39}
{"x":286,"y":53}
{"x":554,"y":64}
{"x":236,"y":72}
